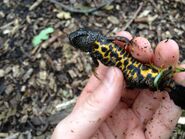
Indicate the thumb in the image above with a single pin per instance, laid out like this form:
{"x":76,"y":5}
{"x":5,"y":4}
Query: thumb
{"x":83,"y":122}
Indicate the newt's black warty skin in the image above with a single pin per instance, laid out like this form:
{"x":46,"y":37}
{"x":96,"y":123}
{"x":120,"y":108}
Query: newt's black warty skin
{"x":136,"y":74}
{"x":84,"y":38}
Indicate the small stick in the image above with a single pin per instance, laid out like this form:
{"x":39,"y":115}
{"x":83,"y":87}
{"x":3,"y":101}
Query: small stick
{"x":65,"y":105}
{"x":8,"y":24}
{"x":155,"y":6}
{"x":135,"y":15}
{"x":35,"y":4}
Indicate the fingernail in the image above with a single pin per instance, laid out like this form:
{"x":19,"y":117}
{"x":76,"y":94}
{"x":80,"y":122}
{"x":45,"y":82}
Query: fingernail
{"x":111,"y":75}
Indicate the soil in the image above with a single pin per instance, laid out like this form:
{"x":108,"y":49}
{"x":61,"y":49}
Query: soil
{"x":39,"y":84}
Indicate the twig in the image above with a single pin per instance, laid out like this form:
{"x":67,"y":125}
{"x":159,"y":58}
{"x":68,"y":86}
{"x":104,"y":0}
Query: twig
{"x":84,"y":11}
{"x":14,"y":136}
{"x":65,"y":105}
{"x":3,"y":135}
{"x":135,"y":15}
{"x":35,"y":4}
{"x":7,"y":25}
{"x":155,"y":6}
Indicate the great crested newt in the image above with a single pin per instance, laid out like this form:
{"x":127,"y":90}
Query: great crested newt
{"x":136,"y":73}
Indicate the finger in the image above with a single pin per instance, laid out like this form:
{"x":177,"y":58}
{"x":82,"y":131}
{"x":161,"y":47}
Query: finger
{"x":164,"y":120}
{"x":166,"y":53}
{"x":92,"y":84}
{"x":141,"y":49}
{"x":146,"y":104}
{"x":124,"y":34}
{"x":180,"y":77}
{"x":85,"y":120}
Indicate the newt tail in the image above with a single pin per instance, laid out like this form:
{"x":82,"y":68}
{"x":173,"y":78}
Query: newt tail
{"x":136,"y":74}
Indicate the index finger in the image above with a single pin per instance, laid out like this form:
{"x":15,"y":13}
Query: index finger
{"x":139,"y":47}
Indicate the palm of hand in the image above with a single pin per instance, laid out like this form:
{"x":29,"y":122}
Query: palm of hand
{"x":145,"y":119}
{"x":140,"y":114}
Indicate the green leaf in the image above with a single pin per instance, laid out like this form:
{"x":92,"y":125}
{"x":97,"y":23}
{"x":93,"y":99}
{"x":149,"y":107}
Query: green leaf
{"x":43,"y":35}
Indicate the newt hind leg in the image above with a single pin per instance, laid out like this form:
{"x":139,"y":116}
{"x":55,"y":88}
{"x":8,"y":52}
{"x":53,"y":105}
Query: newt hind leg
{"x":95,"y":65}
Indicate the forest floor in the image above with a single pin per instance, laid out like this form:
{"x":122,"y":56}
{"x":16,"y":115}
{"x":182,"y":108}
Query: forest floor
{"x":39,"y":84}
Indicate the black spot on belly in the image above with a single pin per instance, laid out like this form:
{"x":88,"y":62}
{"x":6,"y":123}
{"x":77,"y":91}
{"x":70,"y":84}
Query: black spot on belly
{"x":119,"y":58}
{"x":122,"y":52}
{"x":114,"y":55}
{"x":98,"y":55}
{"x":104,"y":49}
{"x":118,"y":64}
{"x":132,"y":72}
{"x":96,"y":46}
{"x":154,"y":70}
{"x":130,"y":67}
{"x":107,"y":53}
{"x":133,"y":60}
{"x":127,"y":54}
{"x":105,"y":60}
{"x":119,"y":48}
{"x":126,"y":62}
{"x":110,"y":47}
{"x":149,"y":75}
{"x":109,"y":63}
{"x":143,"y":67}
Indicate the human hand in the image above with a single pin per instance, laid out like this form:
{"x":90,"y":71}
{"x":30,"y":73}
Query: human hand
{"x":106,"y":109}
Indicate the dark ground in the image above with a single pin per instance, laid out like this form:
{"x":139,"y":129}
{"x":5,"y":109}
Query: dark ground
{"x":38,"y":85}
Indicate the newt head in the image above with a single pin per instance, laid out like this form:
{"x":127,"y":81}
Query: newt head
{"x":84,"y":38}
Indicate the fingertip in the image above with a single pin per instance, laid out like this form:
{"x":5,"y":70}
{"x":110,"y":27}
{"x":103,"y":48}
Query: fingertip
{"x":108,"y":93}
{"x":105,"y":97}
{"x":124,"y":34}
{"x":141,"y":49}
{"x":166,"y":53}
{"x":118,"y":75}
